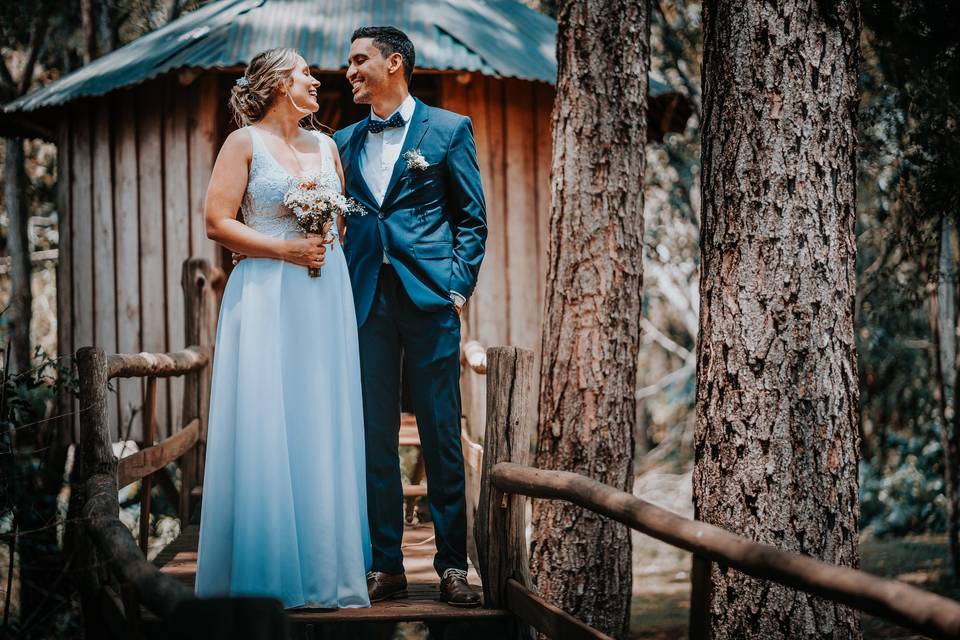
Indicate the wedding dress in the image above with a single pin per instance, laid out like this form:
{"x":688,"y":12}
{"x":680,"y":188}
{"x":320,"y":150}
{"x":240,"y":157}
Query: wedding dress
{"x":284,"y":501}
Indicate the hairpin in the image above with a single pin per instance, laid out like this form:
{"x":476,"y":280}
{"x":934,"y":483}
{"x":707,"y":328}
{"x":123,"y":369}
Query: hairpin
{"x":242,"y":82}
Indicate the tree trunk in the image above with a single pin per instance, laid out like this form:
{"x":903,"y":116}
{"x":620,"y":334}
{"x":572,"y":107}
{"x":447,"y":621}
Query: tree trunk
{"x":776,"y":445}
{"x":175,"y":9}
{"x":18,"y":246}
{"x":88,"y":22}
{"x":591,"y":331}
{"x":106,"y":37}
{"x":944,"y":323}
{"x":954,"y":449}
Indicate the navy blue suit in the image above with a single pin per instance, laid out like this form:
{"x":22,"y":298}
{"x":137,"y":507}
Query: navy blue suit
{"x":432,"y":227}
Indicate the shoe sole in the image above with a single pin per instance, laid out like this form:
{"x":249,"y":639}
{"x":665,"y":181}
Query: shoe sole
{"x":399,"y":595}
{"x":464,"y":605}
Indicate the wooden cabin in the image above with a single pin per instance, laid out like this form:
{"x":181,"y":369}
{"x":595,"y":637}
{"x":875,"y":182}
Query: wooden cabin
{"x":138,"y":131}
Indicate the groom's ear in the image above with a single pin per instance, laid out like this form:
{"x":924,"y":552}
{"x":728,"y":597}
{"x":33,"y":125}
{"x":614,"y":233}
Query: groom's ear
{"x":395,"y":63}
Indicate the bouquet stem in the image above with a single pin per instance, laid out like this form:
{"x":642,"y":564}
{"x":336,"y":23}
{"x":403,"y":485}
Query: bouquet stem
{"x":314,"y":272}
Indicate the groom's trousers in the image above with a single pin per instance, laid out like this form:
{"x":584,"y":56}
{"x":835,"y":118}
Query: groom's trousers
{"x":428,"y":342}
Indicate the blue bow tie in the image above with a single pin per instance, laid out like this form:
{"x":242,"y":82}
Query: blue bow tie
{"x":377,"y":126}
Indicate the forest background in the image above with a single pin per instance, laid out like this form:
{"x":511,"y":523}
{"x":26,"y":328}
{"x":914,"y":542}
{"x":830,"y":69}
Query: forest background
{"x":906,"y":309}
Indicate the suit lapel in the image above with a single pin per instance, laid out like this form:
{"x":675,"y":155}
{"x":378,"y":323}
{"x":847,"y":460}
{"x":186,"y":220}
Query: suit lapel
{"x":419,"y":124}
{"x":355,"y":182}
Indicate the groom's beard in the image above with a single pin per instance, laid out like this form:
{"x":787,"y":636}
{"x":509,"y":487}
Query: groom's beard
{"x":368,"y":87}
{"x":362,"y":96}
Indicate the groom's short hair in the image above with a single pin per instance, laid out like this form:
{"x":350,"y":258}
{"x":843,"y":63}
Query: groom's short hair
{"x":390,"y":40}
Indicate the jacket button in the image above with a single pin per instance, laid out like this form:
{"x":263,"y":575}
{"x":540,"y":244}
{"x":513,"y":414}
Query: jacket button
{"x":380,"y":215}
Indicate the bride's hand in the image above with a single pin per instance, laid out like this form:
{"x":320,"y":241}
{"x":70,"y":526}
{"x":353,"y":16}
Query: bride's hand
{"x":306,"y":252}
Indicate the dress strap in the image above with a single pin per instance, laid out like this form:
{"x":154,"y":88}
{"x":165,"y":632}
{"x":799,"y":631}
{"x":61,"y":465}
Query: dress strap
{"x":255,"y":138}
{"x":325,"y":150}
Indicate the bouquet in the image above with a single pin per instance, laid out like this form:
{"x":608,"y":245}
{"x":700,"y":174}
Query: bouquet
{"x":315,"y":207}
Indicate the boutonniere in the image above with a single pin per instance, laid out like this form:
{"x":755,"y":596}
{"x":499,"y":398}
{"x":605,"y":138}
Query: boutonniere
{"x":415,"y":160}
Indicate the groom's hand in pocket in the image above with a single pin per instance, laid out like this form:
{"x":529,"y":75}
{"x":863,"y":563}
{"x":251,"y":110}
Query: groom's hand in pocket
{"x":459,"y":302}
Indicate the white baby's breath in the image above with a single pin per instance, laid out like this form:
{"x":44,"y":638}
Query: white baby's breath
{"x":415,"y":160}
{"x":315,"y":206}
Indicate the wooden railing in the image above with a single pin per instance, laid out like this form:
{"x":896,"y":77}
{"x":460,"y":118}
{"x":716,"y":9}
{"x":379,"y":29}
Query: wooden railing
{"x":507,"y":481}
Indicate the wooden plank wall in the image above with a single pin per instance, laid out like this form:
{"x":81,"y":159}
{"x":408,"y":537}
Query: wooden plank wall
{"x":511,"y":121}
{"x":66,"y":407}
{"x":126,"y":183}
{"x":136,"y":165}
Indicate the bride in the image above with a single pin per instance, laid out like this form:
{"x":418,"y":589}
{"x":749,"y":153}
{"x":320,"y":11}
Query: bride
{"x":284,"y":505}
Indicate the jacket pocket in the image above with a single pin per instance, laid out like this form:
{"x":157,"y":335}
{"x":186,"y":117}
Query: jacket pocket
{"x":433,"y":250}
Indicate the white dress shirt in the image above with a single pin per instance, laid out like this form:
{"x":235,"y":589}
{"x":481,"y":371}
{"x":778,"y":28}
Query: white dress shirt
{"x":379,"y":155}
{"x":381,"y":150}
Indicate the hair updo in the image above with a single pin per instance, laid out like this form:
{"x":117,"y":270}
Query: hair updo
{"x":256,"y":89}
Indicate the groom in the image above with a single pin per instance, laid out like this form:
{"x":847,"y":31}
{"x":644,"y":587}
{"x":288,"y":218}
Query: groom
{"x":413,"y":263}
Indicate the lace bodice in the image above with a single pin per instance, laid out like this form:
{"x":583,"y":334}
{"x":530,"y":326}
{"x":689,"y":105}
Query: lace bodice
{"x":262,"y":206}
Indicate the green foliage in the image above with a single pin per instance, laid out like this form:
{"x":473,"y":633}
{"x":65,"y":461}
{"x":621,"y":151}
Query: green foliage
{"x":28,"y":396}
{"x":32,"y":458}
{"x":903,"y":494}
{"x":908,"y":161}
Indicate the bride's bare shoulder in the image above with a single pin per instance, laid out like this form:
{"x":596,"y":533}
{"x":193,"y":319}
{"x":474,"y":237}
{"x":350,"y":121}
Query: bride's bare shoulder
{"x":238,"y":141}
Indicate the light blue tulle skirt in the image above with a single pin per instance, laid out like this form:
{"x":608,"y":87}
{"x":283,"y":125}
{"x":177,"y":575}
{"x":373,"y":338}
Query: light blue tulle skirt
{"x":284,"y":500}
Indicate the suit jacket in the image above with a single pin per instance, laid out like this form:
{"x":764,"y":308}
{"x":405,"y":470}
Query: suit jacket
{"x":432,"y":223}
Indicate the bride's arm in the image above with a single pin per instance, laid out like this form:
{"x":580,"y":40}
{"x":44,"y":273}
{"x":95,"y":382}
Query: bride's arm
{"x":224,"y":195}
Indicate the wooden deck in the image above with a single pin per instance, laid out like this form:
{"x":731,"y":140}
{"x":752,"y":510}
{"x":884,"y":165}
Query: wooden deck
{"x":179,"y":560}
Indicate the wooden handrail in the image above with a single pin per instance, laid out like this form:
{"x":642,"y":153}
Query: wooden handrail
{"x":152,"y":459}
{"x":159,"y":592}
{"x":111,"y":538}
{"x":157,"y":365}
{"x":548,"y":619}
{"x":892,"y":600}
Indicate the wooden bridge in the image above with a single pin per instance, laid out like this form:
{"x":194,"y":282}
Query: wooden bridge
{"x":125,"y":596}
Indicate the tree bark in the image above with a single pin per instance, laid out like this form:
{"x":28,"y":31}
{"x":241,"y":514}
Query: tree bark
{"x":591,"y":333}
{"x":18,"y":246}
{"x":776,"y":444}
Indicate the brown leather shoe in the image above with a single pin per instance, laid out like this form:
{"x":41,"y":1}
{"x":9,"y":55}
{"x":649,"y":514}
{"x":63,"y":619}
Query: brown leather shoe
{"x":456,"y":592}
{"x":386,"y":586}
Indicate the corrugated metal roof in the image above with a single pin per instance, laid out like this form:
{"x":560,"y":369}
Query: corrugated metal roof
{"x":495,"y":37}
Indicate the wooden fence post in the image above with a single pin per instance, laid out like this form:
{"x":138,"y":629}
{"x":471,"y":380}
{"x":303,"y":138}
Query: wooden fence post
{"x":700,"y":598}
{"x":500,"y":522}
{"x":195,"y":280}
{"x":94,"y":456}
{"x":96,"y":445}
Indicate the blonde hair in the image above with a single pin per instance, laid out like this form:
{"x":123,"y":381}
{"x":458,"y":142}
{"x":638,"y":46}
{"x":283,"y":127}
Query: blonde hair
{"x":255,"y":91}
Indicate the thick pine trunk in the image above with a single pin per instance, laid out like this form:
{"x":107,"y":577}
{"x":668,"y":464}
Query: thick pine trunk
{"x":591,"y":331}
{"x":777,"y":443}
{"x":18,"y":247}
